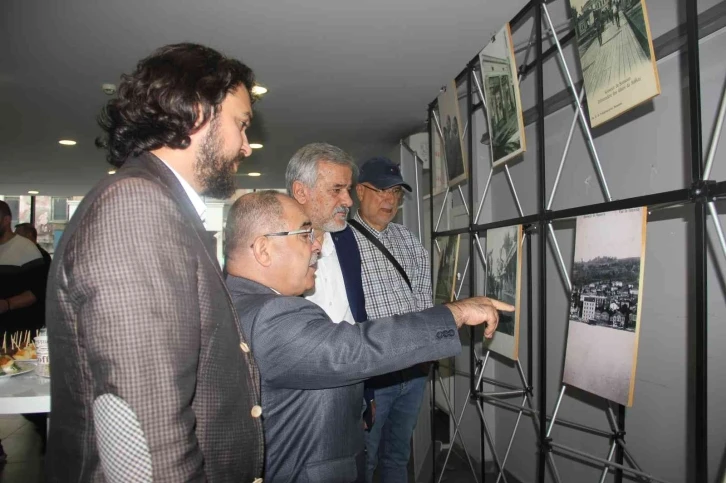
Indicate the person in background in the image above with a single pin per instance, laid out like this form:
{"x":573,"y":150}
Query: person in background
{"x":390,"y":289}
{"x":150,"y":377}
{"x":311,"y":370}
{"x":319,"y":177}
{"x":28,"y":231}
{"x":22,"y":279}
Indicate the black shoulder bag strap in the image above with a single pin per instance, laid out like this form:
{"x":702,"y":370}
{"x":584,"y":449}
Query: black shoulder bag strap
{"x":363,"y":231}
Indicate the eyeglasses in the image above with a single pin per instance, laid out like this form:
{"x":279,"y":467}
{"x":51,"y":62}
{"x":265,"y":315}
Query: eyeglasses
{"x":310,"y":232}
{"x":396,"y":191}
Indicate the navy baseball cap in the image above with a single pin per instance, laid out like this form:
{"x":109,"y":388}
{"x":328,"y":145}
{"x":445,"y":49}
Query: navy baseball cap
{"x":381,"y":173}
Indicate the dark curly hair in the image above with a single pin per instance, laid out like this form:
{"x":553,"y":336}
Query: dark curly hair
{"x":158,"y":104}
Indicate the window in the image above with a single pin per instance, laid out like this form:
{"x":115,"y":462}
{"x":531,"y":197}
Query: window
{"x":59,"y":210}
{"x":14,"y":204}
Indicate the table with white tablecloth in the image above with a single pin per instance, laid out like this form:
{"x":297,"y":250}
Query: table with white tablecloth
{"x":24,"y":394}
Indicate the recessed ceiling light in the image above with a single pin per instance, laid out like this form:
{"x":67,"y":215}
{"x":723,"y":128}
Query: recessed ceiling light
{"x":113,"y":171}
{"x":254,"y":174}
{"x":256,"y":145}
{"x":67,"y":142}
{"x":258,"y":90}
{"x":33,"y":192}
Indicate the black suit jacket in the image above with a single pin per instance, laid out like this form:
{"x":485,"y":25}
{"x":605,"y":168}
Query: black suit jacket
{"x":312,"y":374}
{"x":149,"y":379}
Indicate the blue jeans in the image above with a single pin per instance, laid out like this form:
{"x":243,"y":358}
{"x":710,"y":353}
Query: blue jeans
{"x":389,"y":441}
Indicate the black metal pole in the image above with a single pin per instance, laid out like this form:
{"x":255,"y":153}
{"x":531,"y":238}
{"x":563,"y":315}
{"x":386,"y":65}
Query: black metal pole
{"x":433,"y":244}
{"x":32,"y":210}
{"x":697,"y":337}
{"x":542,"y":239}
{"x":530,"y":321}
{"x":619,"y":449}
{"x":472,"y":271}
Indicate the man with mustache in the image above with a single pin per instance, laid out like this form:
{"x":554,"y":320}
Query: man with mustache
{"x":151,"y":377}
{"x":320,"y":176}
{"x":311,"y":370}
{"x":391,"y":286}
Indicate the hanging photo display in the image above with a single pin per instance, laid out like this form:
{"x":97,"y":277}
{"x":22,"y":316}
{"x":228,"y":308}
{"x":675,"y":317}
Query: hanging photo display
{"x":604,"y":320}
{"x":452,"y":132}
{"x":503,"y":282}
{"x":616,"y":55}
{"x":446,"y":278}
{"x":501,"y":93}
{"x":438,"y":167}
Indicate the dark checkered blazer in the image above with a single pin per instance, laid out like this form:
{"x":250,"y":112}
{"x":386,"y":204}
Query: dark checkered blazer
{"x":149,"y":378}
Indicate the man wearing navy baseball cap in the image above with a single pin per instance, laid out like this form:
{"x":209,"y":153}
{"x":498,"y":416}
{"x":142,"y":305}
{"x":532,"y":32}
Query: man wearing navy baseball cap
{"x":396,"y":277}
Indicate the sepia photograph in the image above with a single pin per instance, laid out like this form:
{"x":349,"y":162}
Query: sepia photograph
{"x":446,"y":276}
{"x":501,"y":93}
{"x":607,"y":281}
{"x":616,"y":55}
{"x":438,"y":167}
{"x":452,"y":133}
{"x":503,"y":282}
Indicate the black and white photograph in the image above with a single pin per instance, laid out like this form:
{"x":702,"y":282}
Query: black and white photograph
{"x":616,"y":55}
{"x":438,"y":167}
{"x":446,"y":276}
{"x":607,"y":281}
{"x":452,"y":132}
{"x":501,"y":93}
{"x":503,"y":282}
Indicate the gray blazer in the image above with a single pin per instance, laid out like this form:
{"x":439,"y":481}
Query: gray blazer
{"x":312,"y":374}
{"x":148,"y":376}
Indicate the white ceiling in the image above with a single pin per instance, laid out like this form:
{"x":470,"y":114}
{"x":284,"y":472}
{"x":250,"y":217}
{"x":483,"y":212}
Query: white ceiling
{"x":358,"y":74}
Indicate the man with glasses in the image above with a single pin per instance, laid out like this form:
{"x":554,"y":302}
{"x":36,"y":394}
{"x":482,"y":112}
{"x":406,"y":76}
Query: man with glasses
{"x":396,"y":277}
{"x":311,"y":370}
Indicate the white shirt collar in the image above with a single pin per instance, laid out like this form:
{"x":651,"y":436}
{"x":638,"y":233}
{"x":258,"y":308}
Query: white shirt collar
{"x":194,"y":197}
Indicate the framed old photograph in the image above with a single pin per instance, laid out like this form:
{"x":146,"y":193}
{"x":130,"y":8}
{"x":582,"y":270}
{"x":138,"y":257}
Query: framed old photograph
{"x":501,"y":93}
{"x":616,"y":55}
{"x":605,"y":308}
{"x":438,"y":166}
{"x":446,"y":278}
{"x":504,"y":275}
{"x":452,"y":133}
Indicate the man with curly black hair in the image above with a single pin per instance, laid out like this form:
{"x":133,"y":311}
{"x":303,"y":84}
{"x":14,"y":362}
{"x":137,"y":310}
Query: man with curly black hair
{"x":152,"y":378}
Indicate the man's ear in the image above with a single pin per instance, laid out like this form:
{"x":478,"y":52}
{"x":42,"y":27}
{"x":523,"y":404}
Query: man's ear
{"x":359,"y":190}
{"x":261,"y":249}
{"x":300,"y":192}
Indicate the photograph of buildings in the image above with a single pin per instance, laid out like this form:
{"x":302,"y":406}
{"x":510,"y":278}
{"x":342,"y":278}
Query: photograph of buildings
{"x":503,"y":282}
{"x":452,"y":130}
{"x":616,"y":55}
{"x":607,"y":281}
{"x":446,"y":276}
{"x":501,"y":93}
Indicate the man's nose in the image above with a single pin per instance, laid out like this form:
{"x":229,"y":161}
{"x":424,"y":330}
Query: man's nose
{"x":316,"y":246}
{"x":347,"y":201}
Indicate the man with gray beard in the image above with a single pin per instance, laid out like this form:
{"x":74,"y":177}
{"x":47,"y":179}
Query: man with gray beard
{"x":320,"y":176}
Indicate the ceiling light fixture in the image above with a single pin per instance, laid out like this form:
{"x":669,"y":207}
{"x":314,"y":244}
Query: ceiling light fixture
{"x":113,"y":171}
{"x":67,"y":142}
{"x":254,"y":174}
{"x":33,"y":192}
{"x":258,"y":90}
{"x":256,"y":145}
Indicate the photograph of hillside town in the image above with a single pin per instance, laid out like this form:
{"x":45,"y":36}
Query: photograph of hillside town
{"x":607,"y":279}
{"x":605,"y":292}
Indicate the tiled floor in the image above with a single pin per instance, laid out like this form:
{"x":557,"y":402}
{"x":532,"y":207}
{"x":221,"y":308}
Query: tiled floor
{"x":23,"y":447}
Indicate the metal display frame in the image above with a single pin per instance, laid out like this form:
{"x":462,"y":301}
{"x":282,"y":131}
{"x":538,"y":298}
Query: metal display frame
{"x":702,"y":194}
